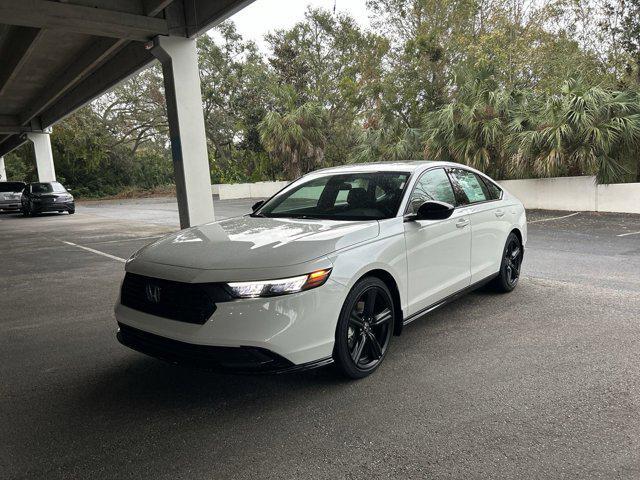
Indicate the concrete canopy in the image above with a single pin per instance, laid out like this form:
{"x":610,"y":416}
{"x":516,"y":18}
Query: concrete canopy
{"x":55,"y":56}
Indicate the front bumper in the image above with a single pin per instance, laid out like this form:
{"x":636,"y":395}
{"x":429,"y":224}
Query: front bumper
{"x":223,"y":359}
{"x":295,"y":331}
{"x":42,"y":207}
{"x":10,"y":205}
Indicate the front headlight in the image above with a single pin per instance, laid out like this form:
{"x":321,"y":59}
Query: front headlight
{"x":282,"y":286}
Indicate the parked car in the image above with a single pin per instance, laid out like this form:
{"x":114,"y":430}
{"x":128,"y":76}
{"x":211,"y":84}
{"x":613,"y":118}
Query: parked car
{"x":10,"y":194}
{"x":43,"y":197}
{"x":325,"y":271}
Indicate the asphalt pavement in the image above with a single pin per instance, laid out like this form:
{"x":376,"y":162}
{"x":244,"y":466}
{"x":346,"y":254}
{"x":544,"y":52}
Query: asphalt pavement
{"x":540,"y":383}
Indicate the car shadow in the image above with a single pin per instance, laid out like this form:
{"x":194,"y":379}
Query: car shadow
{"x":139,"y":382}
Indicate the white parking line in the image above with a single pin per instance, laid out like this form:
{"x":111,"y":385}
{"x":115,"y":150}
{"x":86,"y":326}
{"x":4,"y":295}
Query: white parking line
{"x":97,"y":252}
{"x":132,"y":239}
{"x":555,"y":218}
{"x":627,"y":234}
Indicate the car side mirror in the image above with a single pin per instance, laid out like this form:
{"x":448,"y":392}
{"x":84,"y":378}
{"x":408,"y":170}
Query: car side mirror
{"x":432,"y":210}
{"x":257,"y":205}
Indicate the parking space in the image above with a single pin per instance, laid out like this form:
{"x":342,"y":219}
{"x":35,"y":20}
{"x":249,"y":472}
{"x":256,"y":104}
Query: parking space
{"x":540,"y":383}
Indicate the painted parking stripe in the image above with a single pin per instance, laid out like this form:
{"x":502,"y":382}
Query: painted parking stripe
{"x":555,"y":218}
{"x":97,"y":252}
{"x":132,"y":239}
{"x":627,"y":234}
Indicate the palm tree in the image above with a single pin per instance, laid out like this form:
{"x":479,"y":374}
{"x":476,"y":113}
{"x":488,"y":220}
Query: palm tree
{"x":581,"y":130}
{"x":471,"y":129}
{"x":295,"y":138}
{"x":393,"y":141}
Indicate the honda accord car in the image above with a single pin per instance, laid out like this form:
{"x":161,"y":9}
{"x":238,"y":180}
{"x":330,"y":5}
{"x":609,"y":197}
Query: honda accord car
{"x":328,"y":270}
{"x":43,"y":197}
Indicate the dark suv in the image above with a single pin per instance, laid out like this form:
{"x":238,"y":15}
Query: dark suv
{"x":10,"y":193}
{"x":46,"y":197}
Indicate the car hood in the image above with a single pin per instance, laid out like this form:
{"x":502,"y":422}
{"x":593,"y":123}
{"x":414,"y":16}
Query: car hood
{"x":256,"y":242}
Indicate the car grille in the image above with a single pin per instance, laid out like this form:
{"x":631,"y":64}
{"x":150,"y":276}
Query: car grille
{"x":184,"y":302}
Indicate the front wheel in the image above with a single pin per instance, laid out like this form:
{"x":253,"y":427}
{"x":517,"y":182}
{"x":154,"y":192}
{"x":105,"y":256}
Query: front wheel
{"x":509,"y":274}
{"x":364,"y":328}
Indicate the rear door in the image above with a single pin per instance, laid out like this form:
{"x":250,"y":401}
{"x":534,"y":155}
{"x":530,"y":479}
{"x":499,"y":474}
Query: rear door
{"x":438,"y":251}
{"x":489,"y":222}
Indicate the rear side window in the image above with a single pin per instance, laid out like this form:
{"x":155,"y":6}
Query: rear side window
{"x":432,"y":185}
{"x":470,"y":187}
{"x":495,"y":192}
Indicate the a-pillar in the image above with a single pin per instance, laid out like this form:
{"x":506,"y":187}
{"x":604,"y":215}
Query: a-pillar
{"x":179,"y":60}
{"x":44,"y":156}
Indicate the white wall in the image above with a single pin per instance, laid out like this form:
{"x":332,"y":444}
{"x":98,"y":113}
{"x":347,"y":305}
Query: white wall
{"x":575,"y":194}
{"x":247,"y":190}
{"x":619,"y":197}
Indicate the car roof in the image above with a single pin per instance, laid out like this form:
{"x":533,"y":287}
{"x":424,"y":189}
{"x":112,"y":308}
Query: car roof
{"x":401,"y":166}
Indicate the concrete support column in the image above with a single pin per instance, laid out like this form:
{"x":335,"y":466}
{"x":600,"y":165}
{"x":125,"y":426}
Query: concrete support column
{"x":179,"y":60}
{"x":44,"y":156}
{"x":3,"y":171}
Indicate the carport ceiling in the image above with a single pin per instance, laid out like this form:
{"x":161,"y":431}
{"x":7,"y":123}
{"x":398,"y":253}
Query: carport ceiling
{"x":56,"y":56}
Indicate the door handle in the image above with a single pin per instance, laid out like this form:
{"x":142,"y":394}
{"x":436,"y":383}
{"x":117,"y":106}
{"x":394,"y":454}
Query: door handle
{"x":499,"y":213}
{"x":462,"y":223}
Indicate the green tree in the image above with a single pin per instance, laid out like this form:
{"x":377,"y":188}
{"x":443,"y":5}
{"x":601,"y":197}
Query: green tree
{"x":295,"y":137}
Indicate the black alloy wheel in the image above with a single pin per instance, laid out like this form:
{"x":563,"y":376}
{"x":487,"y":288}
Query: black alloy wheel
{"x":365,"y":328}
{"x":510,"y":266}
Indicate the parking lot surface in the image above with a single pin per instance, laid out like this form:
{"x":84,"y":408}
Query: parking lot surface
{"x":541,"y":383}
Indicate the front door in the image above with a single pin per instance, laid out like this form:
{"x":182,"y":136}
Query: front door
{"x":438,"y":251}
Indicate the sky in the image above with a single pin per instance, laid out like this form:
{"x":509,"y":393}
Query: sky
{"x":263,"y":16}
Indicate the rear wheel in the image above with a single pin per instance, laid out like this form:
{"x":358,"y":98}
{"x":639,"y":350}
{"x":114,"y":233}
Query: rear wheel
{"x":509,"y":274}
{"x":364,"y":328}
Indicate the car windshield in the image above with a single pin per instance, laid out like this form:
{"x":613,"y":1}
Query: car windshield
{"x":11,"y":186}
{"x":53,"y":187}
{"x":345,"y":196}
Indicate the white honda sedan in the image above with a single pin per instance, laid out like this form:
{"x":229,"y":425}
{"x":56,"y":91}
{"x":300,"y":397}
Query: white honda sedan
{"x":327,"y":270}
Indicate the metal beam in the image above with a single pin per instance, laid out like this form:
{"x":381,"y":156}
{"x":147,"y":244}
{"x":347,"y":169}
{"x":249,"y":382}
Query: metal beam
{"x":92,"y":57}
{"x":81,"y":19}
{"x":20,"y":44}
{"x":122,"y":65}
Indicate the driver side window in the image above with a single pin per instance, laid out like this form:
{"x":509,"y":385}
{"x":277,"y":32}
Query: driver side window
{"x":432,"y":185}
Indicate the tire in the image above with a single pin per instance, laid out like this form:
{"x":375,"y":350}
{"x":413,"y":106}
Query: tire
{"x":365,"y":328}
{"x":509,"y":274}
{"x":71,"y":212}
